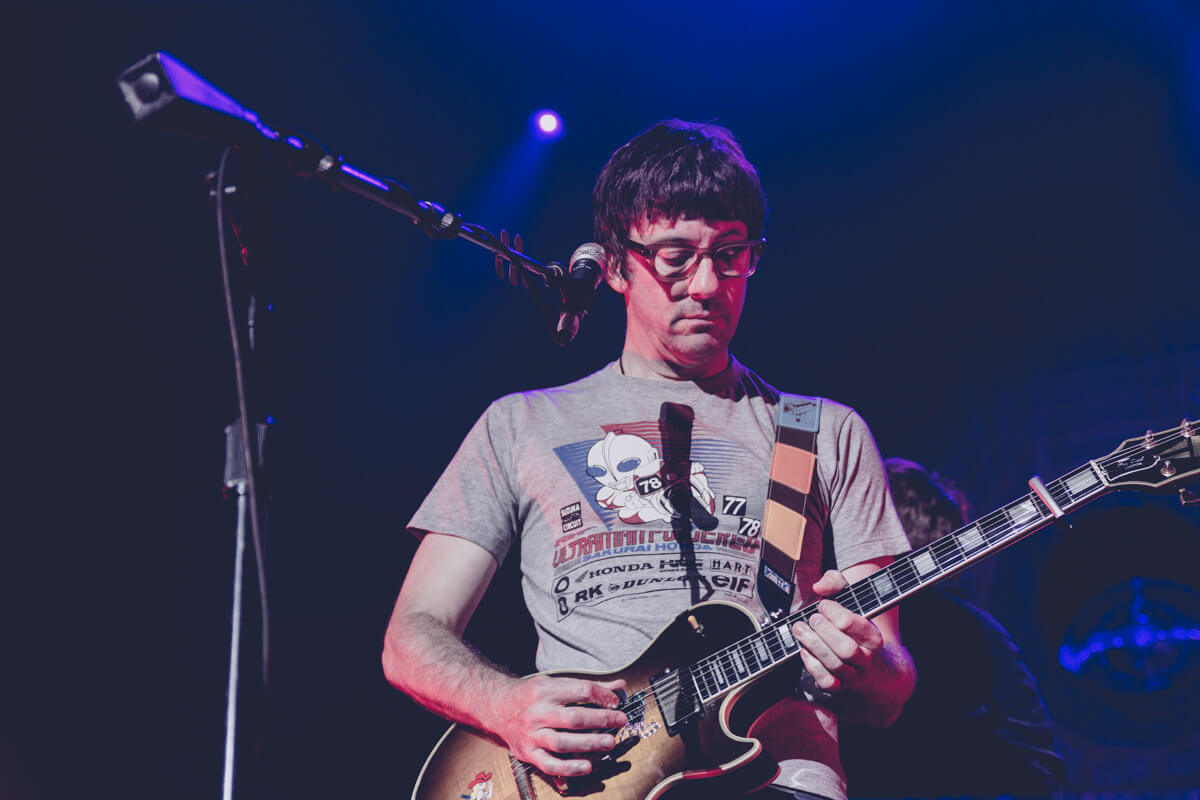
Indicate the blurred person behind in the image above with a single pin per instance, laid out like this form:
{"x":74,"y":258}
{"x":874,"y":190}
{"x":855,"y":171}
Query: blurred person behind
{"x":976,"y":725}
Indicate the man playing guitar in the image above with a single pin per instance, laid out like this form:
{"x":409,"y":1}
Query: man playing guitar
{"x":574,"y":476}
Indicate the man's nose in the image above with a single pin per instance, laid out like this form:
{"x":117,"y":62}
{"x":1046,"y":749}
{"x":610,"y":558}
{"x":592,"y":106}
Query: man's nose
{"x":704,"y":282}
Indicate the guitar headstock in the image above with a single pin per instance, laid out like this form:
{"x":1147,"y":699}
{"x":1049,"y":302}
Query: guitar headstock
{"x":1156,"y":462}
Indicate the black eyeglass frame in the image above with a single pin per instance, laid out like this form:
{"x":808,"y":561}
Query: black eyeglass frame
{"x":650,"y":253}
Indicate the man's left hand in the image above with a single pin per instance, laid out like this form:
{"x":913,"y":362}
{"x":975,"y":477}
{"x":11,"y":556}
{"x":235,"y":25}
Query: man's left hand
{"x":839,"y":646}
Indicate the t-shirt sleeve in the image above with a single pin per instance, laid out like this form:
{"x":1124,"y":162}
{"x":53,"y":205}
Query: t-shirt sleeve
{"x":474,"y":498}
{"x":862,"y":514}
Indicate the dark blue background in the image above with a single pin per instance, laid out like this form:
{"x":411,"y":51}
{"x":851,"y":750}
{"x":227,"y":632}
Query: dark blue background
{"x":983,"y":237}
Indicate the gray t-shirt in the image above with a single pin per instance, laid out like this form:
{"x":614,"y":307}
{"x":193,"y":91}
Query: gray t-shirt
{"x":570,"y":473}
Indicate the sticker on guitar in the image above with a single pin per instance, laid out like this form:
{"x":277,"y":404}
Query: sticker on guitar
{"x":642,"y":730}
{"x":480,"y":788}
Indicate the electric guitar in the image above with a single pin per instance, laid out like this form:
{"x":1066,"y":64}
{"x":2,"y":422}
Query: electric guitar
{"x":683,"y":689}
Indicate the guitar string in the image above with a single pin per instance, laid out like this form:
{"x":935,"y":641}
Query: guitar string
{"x":723,"y":664}
{"x":633,"y":704}
{"x":997,"y":522}
{"x":994,"y":528}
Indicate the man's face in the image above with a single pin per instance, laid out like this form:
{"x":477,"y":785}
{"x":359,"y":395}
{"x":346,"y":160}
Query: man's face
{"x":686,"y":323}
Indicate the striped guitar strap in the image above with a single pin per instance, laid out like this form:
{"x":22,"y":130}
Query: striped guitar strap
{"x":793,"y":464}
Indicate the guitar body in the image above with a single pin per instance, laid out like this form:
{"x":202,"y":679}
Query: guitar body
{"x":649,"y":762}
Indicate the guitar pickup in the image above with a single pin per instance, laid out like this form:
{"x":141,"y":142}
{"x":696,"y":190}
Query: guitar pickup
{"x":677,"y":701}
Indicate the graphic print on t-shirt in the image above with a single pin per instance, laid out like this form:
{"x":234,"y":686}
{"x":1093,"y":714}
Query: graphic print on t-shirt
{"x":628,"y":468}
{"x":633,"y":550}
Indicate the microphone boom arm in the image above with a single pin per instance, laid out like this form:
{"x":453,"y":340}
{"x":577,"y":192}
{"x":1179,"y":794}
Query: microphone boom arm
{"x":162,"y":92}
{"x":432,"y":218}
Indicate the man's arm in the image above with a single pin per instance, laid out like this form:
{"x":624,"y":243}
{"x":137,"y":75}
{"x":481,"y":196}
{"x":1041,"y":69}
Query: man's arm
{"x":423,"y":654}
{"x":862,"y":658}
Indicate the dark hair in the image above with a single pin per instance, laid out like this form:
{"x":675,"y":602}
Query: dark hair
{"x":930,"y":506}
{"x":675,"y":170}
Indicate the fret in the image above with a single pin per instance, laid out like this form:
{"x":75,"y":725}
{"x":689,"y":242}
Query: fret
{"x":713,"y":676}
{"x":996,"y":527}
{"x":1082,"y":482}
{"x":708,"y":686}
{"x":727,"y":671}
{"x":750,"y":655}
{"x":1023,"y":513}
{"x":696,"y":684}
{"x":714,"y":667}
{"x":1059,"y":492}
{"x":849,"y":599}
{"x":714,"y":673}
{"x":948,"y":552}
{"x":739,"y":664}
{"x":1039,"y":506}
{"x":925,"y":565}
{"x":904,"y":574}
{"x":999,"y":523}
{"x":980,"y":538}
{"x":761,"y":652}
{"x":855,"y":590}
{"x":873,"y":598}
{"x":735,"y":664}
{"x":790,"y":645}
{"x":775,"y":647}
{"x":970,"y":539}
{"x":884,"y":587}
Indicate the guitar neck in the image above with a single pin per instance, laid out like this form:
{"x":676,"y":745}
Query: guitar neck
{"x":774,"y":644}
{"x":974,"y":542}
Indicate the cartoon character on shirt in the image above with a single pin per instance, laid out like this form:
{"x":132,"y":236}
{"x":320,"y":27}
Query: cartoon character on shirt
{"x":628,"y":468}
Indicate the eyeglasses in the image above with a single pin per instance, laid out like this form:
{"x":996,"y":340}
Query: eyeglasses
{"x":675,"y":262}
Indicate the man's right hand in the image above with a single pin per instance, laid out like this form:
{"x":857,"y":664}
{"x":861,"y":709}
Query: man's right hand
{"x":543,"y":718}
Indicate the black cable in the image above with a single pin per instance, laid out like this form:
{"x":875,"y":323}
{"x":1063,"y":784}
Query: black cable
{"x":244,"y":422}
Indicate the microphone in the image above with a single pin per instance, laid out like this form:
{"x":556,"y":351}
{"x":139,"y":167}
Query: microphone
{"x":578,"y":287}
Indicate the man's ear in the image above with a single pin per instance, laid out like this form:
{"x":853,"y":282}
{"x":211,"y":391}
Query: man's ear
{"x":613,"y":277}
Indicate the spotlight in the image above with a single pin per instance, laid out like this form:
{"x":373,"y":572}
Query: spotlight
{"x":546,"y":124}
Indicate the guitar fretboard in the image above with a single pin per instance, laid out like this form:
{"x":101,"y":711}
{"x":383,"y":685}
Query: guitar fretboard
{"x":748,"y":658}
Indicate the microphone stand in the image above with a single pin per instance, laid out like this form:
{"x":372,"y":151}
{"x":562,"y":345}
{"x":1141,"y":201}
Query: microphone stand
{"x":246,"y":308}
{"x":162,"y":92}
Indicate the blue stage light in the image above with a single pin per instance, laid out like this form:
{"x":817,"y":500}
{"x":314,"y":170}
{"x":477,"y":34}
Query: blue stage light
{"x":1135,"y":637}
{"x":546,"y":124}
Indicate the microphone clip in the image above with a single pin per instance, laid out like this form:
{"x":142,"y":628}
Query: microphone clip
{"x":584,"y":273}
